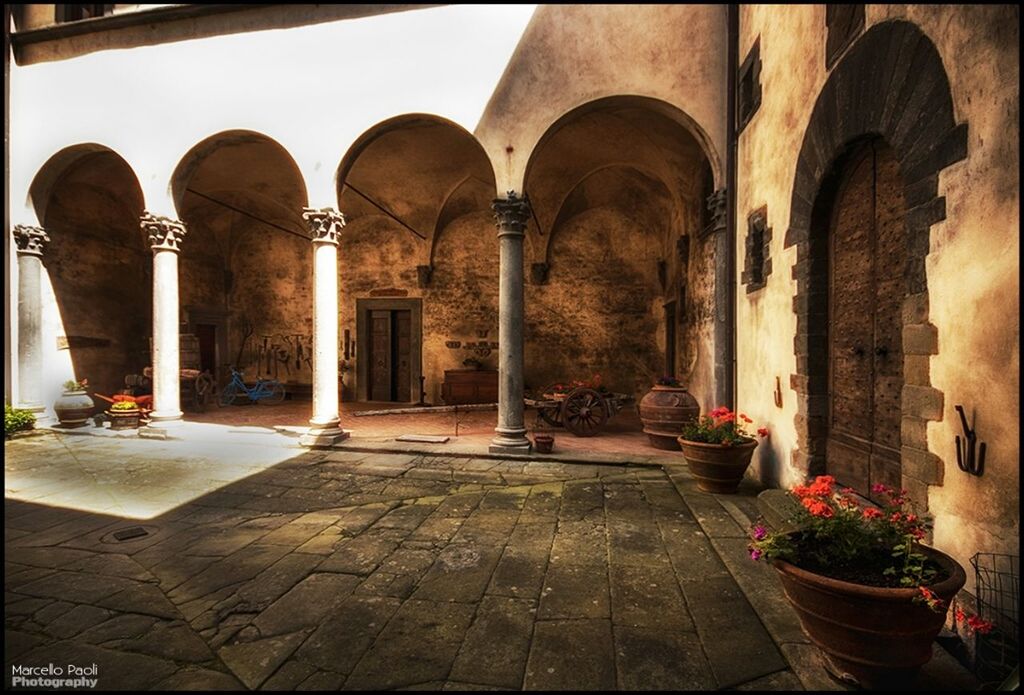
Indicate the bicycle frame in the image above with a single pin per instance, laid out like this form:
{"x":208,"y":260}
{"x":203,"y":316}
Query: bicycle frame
{"x":262,"y":389}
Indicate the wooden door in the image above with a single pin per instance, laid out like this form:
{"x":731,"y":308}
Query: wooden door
{"x":380,"y":356}
{"x":402,"y":347}
{"x":207,"y":335}
{"x":868,"y":259}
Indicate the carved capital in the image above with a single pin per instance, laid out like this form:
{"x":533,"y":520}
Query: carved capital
{"x":30,"y":240}
{"x":324,"y":224}
{"x":511,"y":214}
{"x":164,"y":233}
{"x":716,"y":206}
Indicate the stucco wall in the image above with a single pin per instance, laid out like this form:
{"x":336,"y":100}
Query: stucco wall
{"x":972,"y":268}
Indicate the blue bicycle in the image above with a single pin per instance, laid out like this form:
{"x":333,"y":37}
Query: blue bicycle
{"x":268,"y":391}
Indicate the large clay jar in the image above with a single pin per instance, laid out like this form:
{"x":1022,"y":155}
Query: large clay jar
{"x":664,"y":410}
{"x":875,"y":637}
{"x":74,"y":408}
{"x":717,"y":468}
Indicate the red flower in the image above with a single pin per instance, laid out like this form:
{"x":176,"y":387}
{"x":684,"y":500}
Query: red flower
{"x":872,"y":513}
{"x":762,"y":432}
{"x":895,"y":518}
{"x":979,"y":625}
{"x":745,"y":418}
{"x":817,"y":507}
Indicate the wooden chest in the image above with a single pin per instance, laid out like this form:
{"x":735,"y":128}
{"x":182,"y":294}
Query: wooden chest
{"x":462,"y":386}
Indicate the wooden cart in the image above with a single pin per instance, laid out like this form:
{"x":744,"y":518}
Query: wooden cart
{"x":582,"y":411}
{"x":197,"y":386}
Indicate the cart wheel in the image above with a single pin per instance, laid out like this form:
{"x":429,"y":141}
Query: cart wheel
{"x":227,"y":395}
{"x":204,"y":390}
{"x":275,"y":394}
{"x":552,"y":415}
{"x":584,"y":412}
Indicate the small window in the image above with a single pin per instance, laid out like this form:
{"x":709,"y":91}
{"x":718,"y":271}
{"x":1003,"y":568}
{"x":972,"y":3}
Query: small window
{"x":757,"y":265}
{"x":73,"y":13}
{"x":748,"y":87}
{"x":844,"y":23}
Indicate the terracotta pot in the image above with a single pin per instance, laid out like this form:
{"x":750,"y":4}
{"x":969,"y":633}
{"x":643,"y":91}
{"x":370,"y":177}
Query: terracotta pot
{"x":124,"y":419}
{"x":74,"y":408}
{"x":664,"y":410}
{"x":873,"y":636}
{"x":543,"y":443}
{"x":717,"y":468}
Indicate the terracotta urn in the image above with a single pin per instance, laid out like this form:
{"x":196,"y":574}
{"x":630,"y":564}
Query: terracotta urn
{"x":717,"y":468}
{"x":874,"y":637}
{"x":664,"y":410}
{"x":74,"y":408}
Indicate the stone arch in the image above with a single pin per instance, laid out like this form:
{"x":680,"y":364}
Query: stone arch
{"x":892,"y":85}
{"x":97,"y":262}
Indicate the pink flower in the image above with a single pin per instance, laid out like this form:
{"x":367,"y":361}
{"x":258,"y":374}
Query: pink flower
{"x":760,"y":532}
{"x":878,"y":487}
{"x":755,"y":554}
{"x":872,"y":513}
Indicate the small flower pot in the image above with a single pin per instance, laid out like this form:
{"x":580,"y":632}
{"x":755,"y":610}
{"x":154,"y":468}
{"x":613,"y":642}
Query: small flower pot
{"x":543,"y":443}
{"x":717,"y":468}
{"x":124,"y":419}
{"x":665,"y":410}
{"x":74,"y":408}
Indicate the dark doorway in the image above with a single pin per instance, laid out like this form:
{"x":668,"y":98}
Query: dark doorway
{"x":388,"y":337}
{"x":868,"y":252}
{"x":390,"y":363}
{"x":207,"y":335}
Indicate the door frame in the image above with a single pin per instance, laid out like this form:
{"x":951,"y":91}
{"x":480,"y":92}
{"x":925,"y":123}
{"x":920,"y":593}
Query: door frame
{"x":363,"y":308}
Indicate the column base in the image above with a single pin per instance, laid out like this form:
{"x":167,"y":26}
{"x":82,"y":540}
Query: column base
{"x":510,"y":441}
{"x":166,"y":418}
{"x":322,"y":435}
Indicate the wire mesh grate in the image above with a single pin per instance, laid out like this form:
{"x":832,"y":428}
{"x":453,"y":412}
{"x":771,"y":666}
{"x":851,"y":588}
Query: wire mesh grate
{"x":998,"y":592}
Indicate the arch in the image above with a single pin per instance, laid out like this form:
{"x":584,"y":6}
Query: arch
{"x":63,"y":162}
{"x":892,"y":85}
{"x":462,"y":200}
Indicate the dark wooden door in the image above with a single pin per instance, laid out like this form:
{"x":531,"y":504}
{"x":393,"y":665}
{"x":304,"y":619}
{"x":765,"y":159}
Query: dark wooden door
{"x":868,"y":260}
{"x":402,"y":349}
{"x":207,"y":336}
{"x":380,"y":356}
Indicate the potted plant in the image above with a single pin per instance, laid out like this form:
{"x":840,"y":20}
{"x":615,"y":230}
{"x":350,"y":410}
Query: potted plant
{"x":718,"y":449}
{"x":17,"y":420}
{"x":867,"y":593}
{"x":665,"y":410}
{"x":543,"y":443}
{"x":124,"y":415}
{"x":74,"y":406}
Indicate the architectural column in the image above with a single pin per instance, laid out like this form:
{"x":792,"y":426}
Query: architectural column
{"x":165,"y":236}
{"x":30,"y":241}
{"x":511,"y":215}
{"x":325,"y":426}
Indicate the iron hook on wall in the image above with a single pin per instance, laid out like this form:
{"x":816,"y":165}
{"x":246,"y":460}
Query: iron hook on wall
{"x":965,"y":454}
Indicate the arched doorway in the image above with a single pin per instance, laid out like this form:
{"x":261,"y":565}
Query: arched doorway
{"x":867,"y":287}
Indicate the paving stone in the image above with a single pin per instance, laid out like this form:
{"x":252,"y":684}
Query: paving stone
{"x":807,"y":664}
{"x":46,"y":557}
{"x":76,"y":620}
{"x":654,"y":659}
{"x":323,"y":680}
{"x":785,"y":681}
{"x":344,"y":635}
{"x":199,"y":679}
{"x":289,"y":676}
{"x":574,"y":591}
{"x":497,"y":644}
{"x":300,"y":530}
{"x":580,"y":543}
{"x":141,"y":598}
{"x":273,"y":582}
{"x":238,"y":567}
{"x":359,"y":519}
{"x":636,"y":543}
{"x":690,"y":551}
{"x":625,"y":503}
{"x":119,"y":627}
{"x":582,"y":501}
{"x":461,"y":573}
{"x":173,"y":641}
{"x":488,"y":526}
{"x":17,"y":643}
{"x":305,"y":605}
{"x":50,"y":612}
{"x":735,"y":641}
{"x":360,"y":555}
{"x":115,"y":670}
{"x":254,"y":662}
{"x":408,"y":517}
{"x":437,"y":528}
{"x":571,"y":655}
{"x":21,"y":605}
{"x":456,"y":686}
{"x":648,"y":597}
{"x":713,"y":518}
{"x":84,"y":588}
{"x":174,"y":572}
{"x":507,"y":498}
{"x":544,"y":500}
{"x":518,"y":575}
{"x":111,"y":565}
{"x":423,"y":636}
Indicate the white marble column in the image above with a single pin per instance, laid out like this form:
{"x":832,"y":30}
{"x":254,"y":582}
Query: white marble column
{"x":325,"y":425}
{"x":30,"y":241}
{"x":165,"y":237}
{"x":511,"y":214}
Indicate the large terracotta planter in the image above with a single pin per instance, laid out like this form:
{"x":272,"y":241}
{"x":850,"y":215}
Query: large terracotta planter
{"x":74,"y":408}
{"x":664,"y":410}
{"x":873,"y":636}
{"x":124,"y":419}
{"x":717,"y":468}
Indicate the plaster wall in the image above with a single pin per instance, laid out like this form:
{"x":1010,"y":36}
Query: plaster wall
{"x":973,"y":266}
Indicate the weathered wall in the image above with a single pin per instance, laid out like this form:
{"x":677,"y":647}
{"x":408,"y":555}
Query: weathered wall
{"x":972,"y":268}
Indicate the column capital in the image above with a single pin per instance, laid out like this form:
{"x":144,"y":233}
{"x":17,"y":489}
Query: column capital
{"x":511,"y":214}
{"x":164,"y":233}
{"x":716,"y":206}
{"x":30,"y":240}
{"x":324,"y":224}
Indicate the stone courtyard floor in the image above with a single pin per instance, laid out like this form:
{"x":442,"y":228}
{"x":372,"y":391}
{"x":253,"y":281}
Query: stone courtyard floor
{"x":264,"y":566}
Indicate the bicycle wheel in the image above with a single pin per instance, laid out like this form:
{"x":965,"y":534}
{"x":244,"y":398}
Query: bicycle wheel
{"x":273,"y":393}
{"x":227,"y":395}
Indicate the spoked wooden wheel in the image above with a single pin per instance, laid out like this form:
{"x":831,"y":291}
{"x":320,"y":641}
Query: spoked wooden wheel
{"x":584,"y":412}
{"x":552,"y":415}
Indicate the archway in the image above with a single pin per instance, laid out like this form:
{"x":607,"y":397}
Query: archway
{"x":89,"y":201}
{"x":892,"y":85}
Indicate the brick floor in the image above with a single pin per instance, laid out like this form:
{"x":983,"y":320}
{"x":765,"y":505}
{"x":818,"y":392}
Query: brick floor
{"x":283,"y":569}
